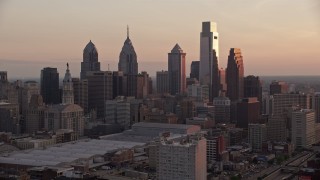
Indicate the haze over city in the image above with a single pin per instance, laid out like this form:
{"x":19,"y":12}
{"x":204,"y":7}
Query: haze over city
{"x":276,"y":37}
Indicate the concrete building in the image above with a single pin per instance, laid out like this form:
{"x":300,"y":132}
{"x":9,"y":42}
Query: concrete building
{"x":29,"y":88}
{"x":303,"y":128}
{"x":35,"y":114}
{"x":277,"y":129}
{"x":162,"y":82}
{"x":199,"y":92}
{"x":194,"y":69}
{"x":235,"y":75}
{"x":257,"y":134}
{"x":221,"y":109}
{"x":142,"y":85}
{"x":128,"y":64}
{"x":50,"y":85}
{"x":9,"y":117}
{"x":182,"y":159}
{"x":177,"y":70}
{"x":209,"y":55}
{"x":278,"y":87}
{"x":215,"y":147}
{"x":90,"y":60}
{"x":99,"y":84}
{"x":118,"y":112}
{"x":316,"y":106}
{"x":281,"y":102}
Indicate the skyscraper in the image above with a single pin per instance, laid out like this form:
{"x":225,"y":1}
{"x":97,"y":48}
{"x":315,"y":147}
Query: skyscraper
{"x":252,"y":87}
{"x":278,"y":87}
{"x":90,"y":60}
{"x":235,"y":73}
{"x":177,"y":70}
{"x":67,"y":89}
{"x":50,"y":85}
{"x":194,"y":69}
{"x":162,"y":82}
{"x":209,"y":54}
{"x":129,"y":66}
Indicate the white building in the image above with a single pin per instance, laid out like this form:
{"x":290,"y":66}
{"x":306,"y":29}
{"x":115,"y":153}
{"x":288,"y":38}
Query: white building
{"x":303,"y":128}
{"x":200,"y":92}
{"x":118,"y":112}
{"x":257,"y":134}
{"x":182,"y":158}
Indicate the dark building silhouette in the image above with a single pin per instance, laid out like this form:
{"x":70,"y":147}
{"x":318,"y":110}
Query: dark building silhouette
{"x":90,"y":60}
{"x":248,"y":112}
{"x":119,"y":85}
{"x":253,"y":87}
{"x":50,"y":86}
{"x":162,"y":82}
{"x":194,"y":70}
{"x":278,"y":87}
{"x":216,"y":86}
{"x":234,"y":75}
{"x":128,"y":64}
{"x":100,"y":89}
{"x":177,"y":70}
{"x":223,"y":82}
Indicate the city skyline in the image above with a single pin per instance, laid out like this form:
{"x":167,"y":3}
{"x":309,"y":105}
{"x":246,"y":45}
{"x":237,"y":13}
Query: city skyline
{"x":50,"y":38}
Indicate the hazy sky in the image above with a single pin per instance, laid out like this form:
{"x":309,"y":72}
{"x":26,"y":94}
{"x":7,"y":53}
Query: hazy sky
{"x":277,"y":37}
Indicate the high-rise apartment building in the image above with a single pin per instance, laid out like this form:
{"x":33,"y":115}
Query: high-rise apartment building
{"x":234,"y":75}
{"x":303,"y":128}
{"x":281,"y":102}
{"x":221,"y":109}
{"x":209,"y":54}
{"x":128,"y":64}
{"x":177,"y":70}
{"x":194,"y":69}
{"x":257,"y":134}
{"x":182,"y":158}
{"x":90,"y":60}
{"x":162,"y":82}
{"x":277,"y":129}
{"x":50,"y":85}
{"x":118,"y":112}
{"x":278,"y":87}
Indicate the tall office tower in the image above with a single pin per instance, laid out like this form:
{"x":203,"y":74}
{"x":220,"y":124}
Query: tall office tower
{"x":278,"y":87}
{"x":3,"y":84}
{"x":150,"y":85}
{"x":67,"y":89}
{"x":277,"y":129}
{"x":35,"y":114}
{"x":162,"y":82}
{"x":118,"y":112}
{"x":100,"y":89}
{"x":177,"y":70}
{"x":129,"y":66}
{"x":194,"y":70}
{"x":119,"y":85}
{"x":221,"y":109}
{"x":90,"y":60}
{"x":29,"y":88}
{"x":182,"y":159}
{"x":257,"y":134}
{"x":253,"y":87}
{"x":223,"y":83}
{"x":199,"y":92}
{"x":303,"y":128}
{"x":142,"y":85}
{"x":248,"y":112}
{"x":209,"y":54}
{"x":281,"y":102}
{"x":50,"y":85}
{"x":235,"y":73}
{"x":80,"y":91}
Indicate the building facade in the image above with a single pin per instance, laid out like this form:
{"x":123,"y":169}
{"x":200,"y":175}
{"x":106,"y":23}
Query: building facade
{"x":50,"y":85}
{"x":177,"y":70}
{"x":90,"y":60}
{"x":162,"y":82}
